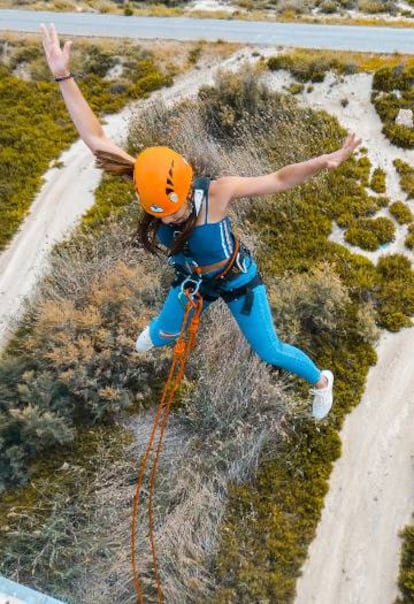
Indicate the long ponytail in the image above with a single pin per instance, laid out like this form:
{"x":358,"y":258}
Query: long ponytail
{"x":114,"y":163}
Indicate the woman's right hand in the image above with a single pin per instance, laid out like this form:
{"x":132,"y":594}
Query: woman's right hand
{"x":57,"y":57}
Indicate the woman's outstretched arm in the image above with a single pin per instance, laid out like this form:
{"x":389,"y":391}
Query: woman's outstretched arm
{"x":233,"y":187}
{"x":87,"y":124}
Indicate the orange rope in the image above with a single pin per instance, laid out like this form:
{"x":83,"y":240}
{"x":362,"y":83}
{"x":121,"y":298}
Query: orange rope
{"x":182,"y":348}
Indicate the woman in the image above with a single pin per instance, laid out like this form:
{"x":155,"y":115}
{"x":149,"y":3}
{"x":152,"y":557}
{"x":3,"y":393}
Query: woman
{"x":190,"y":218}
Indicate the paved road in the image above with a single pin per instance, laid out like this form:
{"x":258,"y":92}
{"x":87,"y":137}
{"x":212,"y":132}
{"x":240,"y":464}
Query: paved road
{"x":341,"y":37}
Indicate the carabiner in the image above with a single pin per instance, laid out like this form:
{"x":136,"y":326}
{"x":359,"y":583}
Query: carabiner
{"x":190,"y":281}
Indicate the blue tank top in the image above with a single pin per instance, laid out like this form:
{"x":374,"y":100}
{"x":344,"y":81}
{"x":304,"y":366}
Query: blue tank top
{"x":207,"y":244}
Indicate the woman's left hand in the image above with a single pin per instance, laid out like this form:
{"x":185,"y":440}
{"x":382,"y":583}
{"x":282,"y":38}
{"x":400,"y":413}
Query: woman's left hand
{"x":57,"y":58}
{"x":335,"y":159}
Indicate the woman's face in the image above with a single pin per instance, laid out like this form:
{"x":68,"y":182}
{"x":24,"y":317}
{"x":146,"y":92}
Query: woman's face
{"x":179,"y":216}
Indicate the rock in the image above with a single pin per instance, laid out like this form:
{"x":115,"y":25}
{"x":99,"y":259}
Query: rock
{"x":405,"y":118}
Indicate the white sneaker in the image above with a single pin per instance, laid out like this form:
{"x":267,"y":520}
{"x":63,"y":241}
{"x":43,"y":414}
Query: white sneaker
{"x":323,"y":397}
{"x":144,"y":342}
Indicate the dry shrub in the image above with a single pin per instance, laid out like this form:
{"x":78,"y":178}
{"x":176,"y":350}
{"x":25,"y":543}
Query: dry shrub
{"x":184,"y":129}
{"x":77,"y":262}
{"x":308,"y":303}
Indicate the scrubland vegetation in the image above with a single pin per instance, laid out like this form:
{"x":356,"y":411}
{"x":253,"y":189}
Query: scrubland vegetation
{"x":32,"y":112}
{"x":234,"y":524}
{"x":406,"y":173}
{"x":392,"y":86}
{"x":392,"y":90}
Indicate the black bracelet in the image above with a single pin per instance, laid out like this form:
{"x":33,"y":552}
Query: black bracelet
{"x":66,"y":77}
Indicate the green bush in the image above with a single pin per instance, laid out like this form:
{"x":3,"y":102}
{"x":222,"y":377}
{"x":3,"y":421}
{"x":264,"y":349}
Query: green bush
{"x":378,"y":181}
{"x":406,"y":173}
{"x":374,"y":7}
{"x":98,"y":61}
{"x":230,"y":100}
{"x":348,"y":4}
{"x":370,"y":233}
{"x":387,"y":106}
{"x":387,"y":102}
{"x":401,"y":212}
{"x":328,"y":6}
{"x":393,"y":78}
{"x":195,"y":53}
{"x":399,"y":135}
{"x":295,"y":88}
{"x":382,"y":201}
{"x":345,"y":220}
{"x":313,"y":70}
{"x":406,"y":576}
{"x":395,"y":291}
{"x":409,"y":240}
{"x":26,"y":54}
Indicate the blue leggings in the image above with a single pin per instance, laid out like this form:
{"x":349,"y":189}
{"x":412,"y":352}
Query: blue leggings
{"x":257,"y":327}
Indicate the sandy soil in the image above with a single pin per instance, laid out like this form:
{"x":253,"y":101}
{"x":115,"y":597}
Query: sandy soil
{"x":354,"y":558}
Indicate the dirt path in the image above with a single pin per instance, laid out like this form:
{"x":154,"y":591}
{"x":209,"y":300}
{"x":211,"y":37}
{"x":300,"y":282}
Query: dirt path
{"x":355,"y":556}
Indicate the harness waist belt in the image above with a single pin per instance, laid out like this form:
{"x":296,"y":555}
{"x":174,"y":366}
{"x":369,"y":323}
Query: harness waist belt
{"x":231,"y":267}
{"x":244,"y":290}
{"x":215,"y":291}
{"x":200,"y":270}
{"x":211,"y":288}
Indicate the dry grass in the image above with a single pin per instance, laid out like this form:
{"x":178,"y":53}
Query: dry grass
{"x":363,"y":61}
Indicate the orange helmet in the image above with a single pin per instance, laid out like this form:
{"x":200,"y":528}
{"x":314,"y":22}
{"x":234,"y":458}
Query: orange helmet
{"x":162,"y":179}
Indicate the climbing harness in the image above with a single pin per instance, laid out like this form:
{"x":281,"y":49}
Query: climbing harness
{"x":212,"y":287}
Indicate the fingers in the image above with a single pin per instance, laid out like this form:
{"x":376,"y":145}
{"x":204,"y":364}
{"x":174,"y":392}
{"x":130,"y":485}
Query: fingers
{"x":352,"y":141}
{"x":45,"y":35}
{"x":49,"y":34}
{"x":66,"y":49}
{"x":45,"y":32}
{"x":53,"y":34}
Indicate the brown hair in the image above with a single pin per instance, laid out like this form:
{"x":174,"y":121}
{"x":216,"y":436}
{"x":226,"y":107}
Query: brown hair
{"x":146,"y":232}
